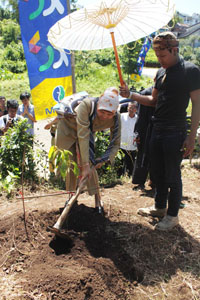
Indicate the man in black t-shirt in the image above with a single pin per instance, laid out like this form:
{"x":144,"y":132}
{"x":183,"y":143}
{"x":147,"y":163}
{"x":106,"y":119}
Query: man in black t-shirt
{"x":176,"y":82}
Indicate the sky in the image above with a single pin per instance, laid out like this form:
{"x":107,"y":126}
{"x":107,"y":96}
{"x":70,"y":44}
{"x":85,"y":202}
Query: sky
{"x":183,"y":6}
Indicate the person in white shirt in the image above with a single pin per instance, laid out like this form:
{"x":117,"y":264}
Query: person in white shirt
{"x":128,"y":144}
{"x":26,"y":110}
{"x":9,"y":120}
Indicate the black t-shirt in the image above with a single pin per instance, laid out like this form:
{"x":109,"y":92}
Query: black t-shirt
{"x":174,"y":86}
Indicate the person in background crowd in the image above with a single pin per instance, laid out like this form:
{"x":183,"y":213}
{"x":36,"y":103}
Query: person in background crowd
{"x":128,"y":144}
{"x":9,"y":120}
{"x":3,"y":110}
{"x":143,"y":129}
{"x":176,"y":82}
{"x":26,"y":109}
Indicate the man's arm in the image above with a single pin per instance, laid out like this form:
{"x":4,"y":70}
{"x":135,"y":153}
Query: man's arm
{"x":54,"y":121}
{"x":189,"y":143}
{"x":142,"y":99}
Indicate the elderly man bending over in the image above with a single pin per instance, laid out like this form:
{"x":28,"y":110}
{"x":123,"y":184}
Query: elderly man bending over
{"x":92,"y":115}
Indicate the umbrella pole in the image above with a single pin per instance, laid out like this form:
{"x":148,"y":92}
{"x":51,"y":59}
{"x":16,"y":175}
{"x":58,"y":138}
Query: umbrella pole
{"x":117,"y":59}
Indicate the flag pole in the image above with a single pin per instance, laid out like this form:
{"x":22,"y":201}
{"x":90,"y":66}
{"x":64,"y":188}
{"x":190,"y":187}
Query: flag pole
{"x":72,"y":57}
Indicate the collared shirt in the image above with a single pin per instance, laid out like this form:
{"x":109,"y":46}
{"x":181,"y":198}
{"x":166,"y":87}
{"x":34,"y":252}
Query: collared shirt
{"x":127,"y":132}
{"x":32,"y":112}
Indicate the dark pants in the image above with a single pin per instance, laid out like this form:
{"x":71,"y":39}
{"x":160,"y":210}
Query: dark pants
{"x":166,"y":159}
{"x":128,"y":163}
{"x":142,"y":166}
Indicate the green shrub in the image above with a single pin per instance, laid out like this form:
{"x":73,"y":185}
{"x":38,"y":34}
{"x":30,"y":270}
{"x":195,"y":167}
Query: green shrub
{"x":13,"y":66}
{"x":10,"y":31}
{"x":16,"y":143}
{"x":108,"y":174}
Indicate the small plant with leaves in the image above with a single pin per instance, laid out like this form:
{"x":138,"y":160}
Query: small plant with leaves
{"x":8,"y":183}
{"x":61,"y":160}
{"x":108,"y":174}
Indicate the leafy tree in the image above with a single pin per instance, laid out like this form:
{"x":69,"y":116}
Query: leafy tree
{"x":129,"y":56}
{"x":104,"y":57}
{"x":13,"y":6}
{"x":5,"y":14}
{"x":188,"y":49}
{"x":13,"y":52}
{"x":10,"y":32}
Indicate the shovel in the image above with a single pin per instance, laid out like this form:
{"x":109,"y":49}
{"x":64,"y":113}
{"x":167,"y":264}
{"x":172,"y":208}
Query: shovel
{"x":56,"y":229}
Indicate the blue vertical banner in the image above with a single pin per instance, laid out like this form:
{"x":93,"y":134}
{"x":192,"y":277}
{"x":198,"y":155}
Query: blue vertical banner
{"x":141,"y":59}
{"x":49,"y":70}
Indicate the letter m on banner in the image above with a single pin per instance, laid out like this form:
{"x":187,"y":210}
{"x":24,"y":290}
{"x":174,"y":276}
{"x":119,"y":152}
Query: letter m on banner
{"x":49,"y":70}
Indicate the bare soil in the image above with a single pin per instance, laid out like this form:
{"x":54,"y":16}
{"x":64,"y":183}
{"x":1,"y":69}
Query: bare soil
{"x":116,"y":256}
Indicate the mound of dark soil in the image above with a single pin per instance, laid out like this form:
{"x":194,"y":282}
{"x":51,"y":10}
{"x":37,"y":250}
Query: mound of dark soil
{"x":116,"y":256}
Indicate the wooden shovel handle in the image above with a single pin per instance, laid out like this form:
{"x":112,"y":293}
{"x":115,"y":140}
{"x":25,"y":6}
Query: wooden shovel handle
{"x":58,"y":225}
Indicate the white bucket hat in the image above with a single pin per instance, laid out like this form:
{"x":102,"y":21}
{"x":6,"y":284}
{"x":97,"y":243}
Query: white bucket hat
{"x":109,"y":100}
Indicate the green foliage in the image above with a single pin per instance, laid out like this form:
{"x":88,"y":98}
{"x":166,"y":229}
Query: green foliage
{"x":108,"y":174}
{"x":10,"y":31}
{"x":12,"y":5}
{"x":189,"y":50}
{"x":8,"y":183}
{"x":12,"y":55}
{"x":129,"y":56}
{"x":14,"y":52}
{"x":151,"y":59}
{"x":5,"y":14}
{"x":13,"y":66}
{"x":176,"y":19}
{"x":60,"y":160}
{"x":104,"y":57}
{"x":13,"y":84}
{"x":14,"y":143}
{"x":97,"y":80}
{"x":16,"y":157}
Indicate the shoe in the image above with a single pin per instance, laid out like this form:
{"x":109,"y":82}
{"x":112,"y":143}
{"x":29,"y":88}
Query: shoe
{"x":182,"y":205}
{"x":167,"y":223}
{"x":152,"y":211}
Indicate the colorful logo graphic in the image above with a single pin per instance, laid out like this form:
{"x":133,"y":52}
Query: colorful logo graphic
{"x":58,"y":93}
{"x":33,"y":48}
